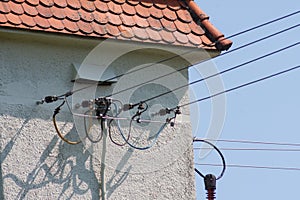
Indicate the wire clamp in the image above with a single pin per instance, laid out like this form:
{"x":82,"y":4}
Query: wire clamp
{"x":176,"y":112}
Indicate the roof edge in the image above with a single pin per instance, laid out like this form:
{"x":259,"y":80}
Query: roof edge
{"x":221,"y":42}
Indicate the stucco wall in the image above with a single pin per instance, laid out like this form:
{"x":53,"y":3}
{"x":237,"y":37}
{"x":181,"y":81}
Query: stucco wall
{"x":36,"y":164}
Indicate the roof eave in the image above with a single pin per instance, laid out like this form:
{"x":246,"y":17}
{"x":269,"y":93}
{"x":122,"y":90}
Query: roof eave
{"x":221,"y":43}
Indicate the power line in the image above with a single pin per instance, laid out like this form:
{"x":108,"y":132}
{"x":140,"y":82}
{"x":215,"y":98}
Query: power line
{"x":239,"y":33}
{"x":170,"y":58}
{"x":186,"y":67}
{"x":234,"y":35}
{"x":251,"y":166}
{"x":252,"y":149}
{"x":255,"y":142}
{"x":240,"y":86}
{"x":264,"y":24}
{"x":224,"y":71}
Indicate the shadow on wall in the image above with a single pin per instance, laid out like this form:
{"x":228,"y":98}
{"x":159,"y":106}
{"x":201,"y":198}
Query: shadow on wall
{"x":71,"y":168}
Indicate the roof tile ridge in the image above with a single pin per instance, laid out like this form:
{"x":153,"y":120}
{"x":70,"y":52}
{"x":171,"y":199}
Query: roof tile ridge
{"x":222,"y":43}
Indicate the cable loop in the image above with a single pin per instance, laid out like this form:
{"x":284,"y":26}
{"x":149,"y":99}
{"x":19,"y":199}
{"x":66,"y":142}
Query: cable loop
{"x":56,"y":111}
{"x":219,"y":152}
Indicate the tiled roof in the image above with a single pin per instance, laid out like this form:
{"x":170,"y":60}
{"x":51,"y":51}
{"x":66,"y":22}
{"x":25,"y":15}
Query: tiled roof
{"x":176,"y":22}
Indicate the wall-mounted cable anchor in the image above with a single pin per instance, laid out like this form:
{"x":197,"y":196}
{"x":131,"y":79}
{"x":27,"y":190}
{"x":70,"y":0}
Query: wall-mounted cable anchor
{"x":210,"y":179}
{"x":171,"y":120}
{"x":50,"y":99}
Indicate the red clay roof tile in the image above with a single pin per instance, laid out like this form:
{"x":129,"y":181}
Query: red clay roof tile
{"x":184,"y":16}
{"x":112,"y":30}
{"x":128,"y":9}
{"x":167,"y":36}
{"x":126,"y":32}
{"x":41,"y":22}
{"x":74,"y":4}
{"x":140,"y":33}
{"x":56,"y":24}
{"x":58,"y":13}
{"x":72,"y":14}
{"x":140,"y":22}
{"x":160,"y":3}
{"x":3,"y":19}
{"x":142,"y":11}
{"x":133,"y":2}
{"x":19,"y":1}
{"x":146,"y":3}
{"x":114,"y":8}
{"x":127,"y":20}
{"x":15,"y":8}
{"x":47,"y":3}
{"x":88,"y":5}
{"x":101,"y":6}
{"x":196,"y":40}
{"x":70,"y":26}
{"x":85,"y":16}
{"x":28,"y":21}
{"x":33,"y":2}
{"x":44,"y":11}
{"x":85,"y":27}
{"x":168,"y":25}
{"x":98,"y":29}
{"x":154,"y":21}
{"x":182,"y":27}
{"x":170,"y":15}
{"x":196,"y":29}
{"x":14,"y":19}
{"x":114,"y":19}
{"x":29,"y":10}
{"x":154,"y":35}
{"x":174,"y":5}
{"x":4,"y":8}
{"x":156,"y":13}
{"x":119,"y":1}
{"x":180,"y":37}
{"x":101,"y":18}
{"x":61,"y":3}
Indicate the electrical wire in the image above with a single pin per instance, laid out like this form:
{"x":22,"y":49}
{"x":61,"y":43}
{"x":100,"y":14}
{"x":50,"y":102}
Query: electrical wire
{"x":251,"y":166}
{"x":220,"y":154}
{"x":255,"y":142}
{"x":264,"y":24}
{"x":56,"y":111}
{"x":252,"y":149}
{"x":172,"y":57}
{"x":224,"y":71}
{"x":186,"y":67}
{"x":239,"y":86}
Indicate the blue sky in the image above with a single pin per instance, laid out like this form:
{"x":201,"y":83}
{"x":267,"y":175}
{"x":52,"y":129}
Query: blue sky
{"x":267,"y":111}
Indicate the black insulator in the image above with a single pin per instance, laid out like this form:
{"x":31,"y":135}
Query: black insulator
{"x":172,"y":124}
{"x":210,"y":182}
{"x":50,"y":99}
{"x":128,"y":106}
{"x":85,"y":103}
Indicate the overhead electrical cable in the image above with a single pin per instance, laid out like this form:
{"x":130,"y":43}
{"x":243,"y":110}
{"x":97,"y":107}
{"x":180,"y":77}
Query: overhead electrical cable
{"x":173,"y":57}
{"x":239,"y":86}
{"x":231,"y":36}
{"x":255,"y":142}
{"x":224,"y":71}
{"x":264,"y":24}
{"x":186,"y":67}
{"x":252,"y":149}
{"x":251,"y":166}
